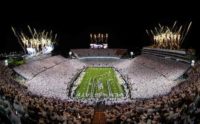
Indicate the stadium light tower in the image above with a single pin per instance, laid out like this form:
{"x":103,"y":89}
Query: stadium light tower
{"x":132,"y":54}
{"x":192,"y":63}
{"x":70,"y":54}
{"x":6,"y":62}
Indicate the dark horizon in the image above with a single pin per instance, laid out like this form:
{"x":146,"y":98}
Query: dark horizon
{"x":124,"y":31}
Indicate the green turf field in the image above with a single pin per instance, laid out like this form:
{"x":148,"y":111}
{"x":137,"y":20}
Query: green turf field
{"x":99,"y":82}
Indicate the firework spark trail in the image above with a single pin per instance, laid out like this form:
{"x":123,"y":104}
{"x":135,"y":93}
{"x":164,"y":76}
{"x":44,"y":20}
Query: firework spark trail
{"x":37,"y":43}
{"x":29,"y":28}
{"x":168,"y":38}
{"x":18,"y":38}
{"x":174,"y":25}
{"x":188,"y":28}
{"x":99,"y":40}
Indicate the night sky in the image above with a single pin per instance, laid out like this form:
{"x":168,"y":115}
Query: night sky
{"x":126,"y":28}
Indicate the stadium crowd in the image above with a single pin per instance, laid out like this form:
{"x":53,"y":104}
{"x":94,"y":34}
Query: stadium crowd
{"x":148,"y":76}
{"x":180,"y":106}
{"x":19,"y":105}
{"x":34,"y":67}
{"x":44,"y":71}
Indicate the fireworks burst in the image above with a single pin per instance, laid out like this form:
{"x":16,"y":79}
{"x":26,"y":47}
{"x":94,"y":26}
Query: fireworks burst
{"x":169,"y":37}
{"x":36,"y":43}
{"x":99,"y":40}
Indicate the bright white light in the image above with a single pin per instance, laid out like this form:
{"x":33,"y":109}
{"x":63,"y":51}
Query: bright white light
{"x":105,"y":46}
{"x":131,"y":53}
{"x":99,"y":40}
{"x":166,"y":37}
{"x":31,"y":51}
{"x":47,"y":49}
{"x":37,"y":42}
{"x":70,"y":53}
{"x":6,"y":62}
{"x":99,"y":46}
{"x":192,"y":63}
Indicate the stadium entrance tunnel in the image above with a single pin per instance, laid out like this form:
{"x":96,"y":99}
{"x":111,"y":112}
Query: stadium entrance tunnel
{"x":99,"y":83}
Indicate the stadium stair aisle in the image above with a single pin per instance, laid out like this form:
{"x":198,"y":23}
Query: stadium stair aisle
{"x":99,"y":118}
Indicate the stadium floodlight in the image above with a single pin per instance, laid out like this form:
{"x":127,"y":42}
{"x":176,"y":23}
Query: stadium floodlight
{"x":192,"y":63}
{"x":6,"y":62}
{"x":132,"y":54}
{"x":70,"y":53}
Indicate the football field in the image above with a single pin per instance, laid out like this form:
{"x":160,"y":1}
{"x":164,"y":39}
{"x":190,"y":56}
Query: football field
{"x":99,"y":82}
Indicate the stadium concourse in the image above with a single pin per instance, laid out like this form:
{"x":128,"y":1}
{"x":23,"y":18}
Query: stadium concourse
{"x":157,"y":90}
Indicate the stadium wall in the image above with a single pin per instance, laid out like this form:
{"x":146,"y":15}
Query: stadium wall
{"x":178,"y":55}
{"x":78,"y":53}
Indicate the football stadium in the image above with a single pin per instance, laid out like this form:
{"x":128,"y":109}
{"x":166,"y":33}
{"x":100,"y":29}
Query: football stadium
{"x":100,"y":84}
